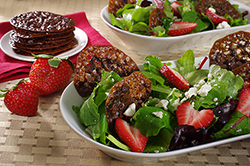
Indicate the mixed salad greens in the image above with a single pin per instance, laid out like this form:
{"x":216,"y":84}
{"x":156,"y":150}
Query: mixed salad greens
{"x":135,"y":18}
{"x":162,"y":130}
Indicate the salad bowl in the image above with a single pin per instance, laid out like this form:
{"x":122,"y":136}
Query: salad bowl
{"x":70,"y":98}
{"x":154,"y":45}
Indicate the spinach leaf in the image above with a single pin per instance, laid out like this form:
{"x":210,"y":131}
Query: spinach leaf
{"x":159,"y":143}
{"x":186,"y":67}
{"x":233,"y":82}
{"x":116,"y":22}
{"x":215,"y":96}
{"x":89,"y":111}
{"x":100,"y":129}
{"x":150,"y":125}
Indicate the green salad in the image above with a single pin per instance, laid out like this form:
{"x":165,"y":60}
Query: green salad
{"x":135,"y":18}
{"x":158,"y":121}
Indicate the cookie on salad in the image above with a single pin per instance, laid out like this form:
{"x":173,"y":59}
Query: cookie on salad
{"x":222,"y":7}
{"x":132,"y":90}
{"x":232,"y":52}
{"x":115,"y":5}
{"x":155,"y":18}
{"x":93,"y":59}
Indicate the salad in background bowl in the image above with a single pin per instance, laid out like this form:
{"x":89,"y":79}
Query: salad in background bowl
{"x":214,"y":86}
{"x":157,"y":39}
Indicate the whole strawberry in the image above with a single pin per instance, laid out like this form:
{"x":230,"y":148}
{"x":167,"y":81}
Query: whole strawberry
{"x":50,"y":74}
{"x":22,"y":99}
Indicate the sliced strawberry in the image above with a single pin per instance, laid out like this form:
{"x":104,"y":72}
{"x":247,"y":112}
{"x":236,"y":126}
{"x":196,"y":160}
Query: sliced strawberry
{"x":244,"y":104}
{"x":216,"y":19}
{"x":174,"y":6}
{"x":186,"y":114}
{"x":130,"y":135}
{"x":174,"y":77}
{"x":181,"y":28}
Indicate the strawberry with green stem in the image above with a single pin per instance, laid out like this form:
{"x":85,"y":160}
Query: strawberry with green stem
{"x":22,"y":99}
{"x":50,"y":74}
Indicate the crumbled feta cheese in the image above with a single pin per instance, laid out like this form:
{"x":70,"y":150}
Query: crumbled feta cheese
{"x":222,"y":25}
{"x":176,"y":103}
{"x":163,"y":103}
{"x":210,"y":76}
{"x":202,"y":82}
{"x":130,"y":110}
{"x":212,"y":10}
{"x":215,"y":99}
{"x":158,"y":114}
{"x":191,"y":92}
{"x":184,"y":99}
{"x":204,"y":90}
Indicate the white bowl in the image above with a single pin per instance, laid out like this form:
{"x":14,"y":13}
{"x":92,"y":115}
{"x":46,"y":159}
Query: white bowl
{"x":70,"y":97}
{"x":154,"y":45}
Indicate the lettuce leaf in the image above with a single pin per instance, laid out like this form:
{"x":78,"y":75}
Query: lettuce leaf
{"x":233,"y":82}
{"x":186,"y":67}
{"x":150,"y":125}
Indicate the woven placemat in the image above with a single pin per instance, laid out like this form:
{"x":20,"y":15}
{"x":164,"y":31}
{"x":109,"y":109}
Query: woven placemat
{"x":46,"y":139}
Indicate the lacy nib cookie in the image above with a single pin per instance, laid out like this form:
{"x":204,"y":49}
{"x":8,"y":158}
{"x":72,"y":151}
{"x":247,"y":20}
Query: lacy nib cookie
{"x":222,"y":7}
{"x":115,"y":5}
{"x":232,"y":52}
{"x":40,"y":32}
{"x":135,"y":88}
{"x":92,"y":60}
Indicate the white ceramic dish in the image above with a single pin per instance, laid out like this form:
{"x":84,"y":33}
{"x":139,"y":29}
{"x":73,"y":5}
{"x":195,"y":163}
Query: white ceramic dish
{"x":153,"y":45}
{"x":80,"y":35}
{"x":70,"y":97}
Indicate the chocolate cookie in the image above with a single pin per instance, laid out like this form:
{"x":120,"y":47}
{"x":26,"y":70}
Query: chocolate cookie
{"x":93,"y":59}
{"x":232,"y":52}
{"x":222,"y":7}
{"x":135,"y":88}
{"x":40,"y":32}
{"x":115,"y":5}
{"x":41,"y":21}
{"x":155,"y":18}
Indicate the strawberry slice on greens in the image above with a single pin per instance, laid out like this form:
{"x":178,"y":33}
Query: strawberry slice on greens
{"x":187,"y":115}
{"x":181,"y":28}
{"x":130,"y":135}
{"x":174,"y":77}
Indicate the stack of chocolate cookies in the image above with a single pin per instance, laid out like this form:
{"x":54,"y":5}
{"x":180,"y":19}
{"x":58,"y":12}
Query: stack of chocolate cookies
{"x":40,"y":32}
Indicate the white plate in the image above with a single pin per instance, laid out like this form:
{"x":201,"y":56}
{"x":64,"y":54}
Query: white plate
{"x":80,"y":35}
{"x":70,"y":97}
{"x":155,"y":45}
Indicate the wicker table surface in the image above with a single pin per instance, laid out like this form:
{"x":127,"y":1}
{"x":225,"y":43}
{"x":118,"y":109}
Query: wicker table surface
{"x":46,"y":139}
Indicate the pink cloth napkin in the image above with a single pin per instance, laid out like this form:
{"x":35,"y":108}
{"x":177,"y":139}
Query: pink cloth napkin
{"x":11,"y":69}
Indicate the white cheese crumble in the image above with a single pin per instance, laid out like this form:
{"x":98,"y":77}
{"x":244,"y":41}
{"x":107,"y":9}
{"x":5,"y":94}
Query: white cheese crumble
{"x":176,"y":103}
{"x":202,"y":82}
{"x":204,"y":90}
{"x":191,"y":92}
{"x":222,"y":25}
{"x":210,"y":76}
{"x":130,"y":110}
{"x":163,"y":103}
{"x":158,"y":114}
{"x":212,"y":10}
